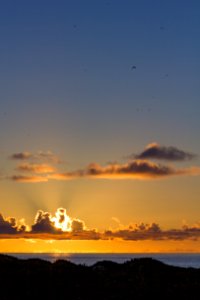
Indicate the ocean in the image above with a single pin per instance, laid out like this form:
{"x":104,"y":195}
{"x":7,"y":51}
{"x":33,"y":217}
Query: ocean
{"x":181,"y":260}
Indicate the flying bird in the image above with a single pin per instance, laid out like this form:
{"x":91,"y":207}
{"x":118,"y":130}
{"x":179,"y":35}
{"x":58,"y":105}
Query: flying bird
{"x":133,"y":67}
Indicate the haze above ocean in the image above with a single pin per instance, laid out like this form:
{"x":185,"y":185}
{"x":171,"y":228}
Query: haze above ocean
{"x":178,"y":259}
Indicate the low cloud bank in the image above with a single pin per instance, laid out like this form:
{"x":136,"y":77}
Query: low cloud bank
{"x":62,"y":227}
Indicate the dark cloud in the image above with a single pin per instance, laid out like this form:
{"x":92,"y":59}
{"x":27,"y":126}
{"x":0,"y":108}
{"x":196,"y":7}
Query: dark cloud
{"x":136,"y":169}
{"x":44,"y":230}
{"x":21,"y":155}
{"x":28,"y":179}
{"x":9,"y":226}
{"x":55,"y":227}
{"x":44,"y":156}
{"x":140,"y":231}
{"x":133,"y":168}
{"x":133,"y":232}
{"x":60,"y":223}
{"x":155,"y":151}
{"x":43,"y":223}
{"x":153,"y":232}
{"x":77,"y":225}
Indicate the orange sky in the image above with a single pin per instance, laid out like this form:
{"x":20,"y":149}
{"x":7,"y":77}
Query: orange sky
{"x":44,"y":246}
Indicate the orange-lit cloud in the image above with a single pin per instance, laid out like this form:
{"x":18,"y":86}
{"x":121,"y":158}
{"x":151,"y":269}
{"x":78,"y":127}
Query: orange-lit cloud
{"x":137,"y":169}
{"x":62,"y":227}
{"x":62,"y":176}
{"x":35,"y":168}
{"x":156,"y":151}
{"x":28,"y":179}
{"x":61,"y":222}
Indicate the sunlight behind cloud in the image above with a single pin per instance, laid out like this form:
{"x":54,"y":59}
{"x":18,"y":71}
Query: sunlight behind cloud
{"x":62,"y":220}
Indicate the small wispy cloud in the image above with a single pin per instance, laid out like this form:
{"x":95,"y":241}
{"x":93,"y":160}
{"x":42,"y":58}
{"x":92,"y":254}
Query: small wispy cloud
{"x":21,"y":156}
{"x":28,"y":179}
{"x":35,"y":168}
{"x":44,"y":156}
{"x":47,"y":156}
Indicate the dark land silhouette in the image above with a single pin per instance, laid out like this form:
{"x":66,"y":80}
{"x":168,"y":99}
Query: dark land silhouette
{"x":143,"y":278}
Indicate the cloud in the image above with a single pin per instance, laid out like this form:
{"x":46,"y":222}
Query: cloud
{"x":28,"y":179}
{"x":59,"y":226}
{"x":156,"y":151}
{"x":21,"y":155}
{"x":62,"y":227}
{"x":139,"y":167}
{"x":44,"y":229}
{"x":140,"y":231}
{"x":7,"y":226}
{"x":32,"y":165}
{"x":81,"y":235}
{"x":45,"y":156}
{"x":35,"y":168}
{"x":10,"y":226}
{"x":136,"y":169}
{"x":153,"y":231}
{"x":77,"y":225}
{"x":60,"y":223}
{"x":62,"y":220}
{"x":43,"y":223}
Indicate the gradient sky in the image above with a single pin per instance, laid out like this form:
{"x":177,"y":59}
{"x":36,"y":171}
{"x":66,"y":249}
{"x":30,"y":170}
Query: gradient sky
{"x":96,"y":82}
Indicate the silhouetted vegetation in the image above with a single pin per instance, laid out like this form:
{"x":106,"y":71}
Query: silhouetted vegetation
{"x":143,"y":278}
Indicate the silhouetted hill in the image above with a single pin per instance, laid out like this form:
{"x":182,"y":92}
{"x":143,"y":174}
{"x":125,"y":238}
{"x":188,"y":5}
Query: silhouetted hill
{"x":142,"y":278}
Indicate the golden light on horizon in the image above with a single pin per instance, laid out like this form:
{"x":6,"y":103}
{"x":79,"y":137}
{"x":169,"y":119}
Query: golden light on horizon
{"x":100,"y":246}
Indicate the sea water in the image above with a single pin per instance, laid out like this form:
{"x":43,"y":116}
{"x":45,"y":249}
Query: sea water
{"x":181,"y":260}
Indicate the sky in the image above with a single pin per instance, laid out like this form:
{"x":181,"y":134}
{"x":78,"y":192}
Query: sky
{"x":99,"y":126}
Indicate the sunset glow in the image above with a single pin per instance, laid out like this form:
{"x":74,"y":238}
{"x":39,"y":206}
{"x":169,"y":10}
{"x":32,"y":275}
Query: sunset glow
{"x":99,"y":126}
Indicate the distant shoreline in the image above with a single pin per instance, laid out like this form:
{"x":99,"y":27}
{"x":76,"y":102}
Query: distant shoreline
{"x":173,"y":259}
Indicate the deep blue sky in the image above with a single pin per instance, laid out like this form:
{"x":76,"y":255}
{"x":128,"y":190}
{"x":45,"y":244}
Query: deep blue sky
{"x":66,"y":70}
